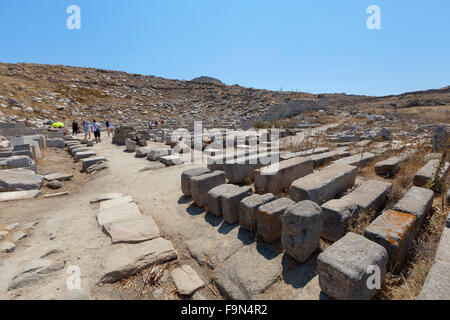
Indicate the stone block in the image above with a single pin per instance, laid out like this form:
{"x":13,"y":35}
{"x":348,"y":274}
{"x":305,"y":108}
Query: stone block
{"x":301,"y":229}
{"x":230,"y":203}
{"x":417,"y":201}
{"x":248,"y":210}
{"x":214,"y":202}
{"x":200,"y":185}
{"x":269,"y":219}
{"x":278,"y":178}
{"x":345,"y":267}
{"x":186,"y":178}
{"x":325,"y":184}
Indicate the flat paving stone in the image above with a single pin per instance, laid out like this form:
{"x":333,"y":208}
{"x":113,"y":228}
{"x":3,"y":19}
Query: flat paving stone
{"x":117,"y":213}
{"x":132,"y":230}
{"x":19,"y":195}
{"x":121,"y":261}
{"x":237,"y":279}
{"x":186,"y":280}
{"x":58,"y":176}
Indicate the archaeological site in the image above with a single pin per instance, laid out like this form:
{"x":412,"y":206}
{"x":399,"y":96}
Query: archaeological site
{"x":117,"y":185}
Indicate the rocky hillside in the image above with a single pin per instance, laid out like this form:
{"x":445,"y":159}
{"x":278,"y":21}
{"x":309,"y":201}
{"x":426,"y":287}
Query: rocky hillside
{"x":60,"y":93}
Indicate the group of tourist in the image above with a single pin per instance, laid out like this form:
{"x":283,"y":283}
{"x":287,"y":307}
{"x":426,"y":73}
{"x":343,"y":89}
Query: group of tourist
{"x":155,"y":123}
{"x":93,"y":127}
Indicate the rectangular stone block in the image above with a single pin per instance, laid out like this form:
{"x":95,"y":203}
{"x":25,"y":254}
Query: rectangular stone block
{"x":437,"y":285}
{"x":55,"y":143}
{"x":394,"y":231}
{"x":320,"y":159}
{"x":132,"y":230}
{"x":84,"y":154}
{"x":417,"y":201}
{"x":276,"y":179}
{"x":391,"y":166}
{"x":345,"y":267}
{"x":122,"y":260}
{"x":359,"y":160}
{"x":269,"y":219}
{"x":171,"y":160}
{"x":248,"y":210}
{"x":119,"y":212}
{"x":424,"y":175}
{"x":86,"y":163}
{"x":155,"y":155}
{"x":371,"y":195}
{"x":242,"y":170}
{"x":230,"y":203}
{"x":200,"y":185}
{"x":15,"y":162}
{"x":301,"y":228}
{"x":325,"y":184}
{"x":186,"y":178}
{"x":443,"y":250}
{"x":214,"y":203}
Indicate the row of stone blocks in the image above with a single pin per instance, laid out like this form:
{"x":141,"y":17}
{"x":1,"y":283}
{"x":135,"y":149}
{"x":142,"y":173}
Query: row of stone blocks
{"x":345,"y":268}
{"x":83,"y":154}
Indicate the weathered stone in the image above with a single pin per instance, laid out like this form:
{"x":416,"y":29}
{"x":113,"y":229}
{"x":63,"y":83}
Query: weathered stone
{"x":417,"y":201}
{"x":359,"y":160}
{"x":320,"y":159}
{"x":237,"y":278}
{"x":15,"y":162}
{"x":55,"y":184}
{"x":34,"y":272}
{"x":19,"y":180}
{"x":132,"y":230}
{"x":17,"y":236}
{"x":248,"y":210}
{"x":7,"y":247}
{"x":390,"y":167}
{"x":171,"y":160}
{"x":58,"y":176}
{"x":186,"y":177}
{"x":371,"y":196}
{"x":242,"y":169}
{"x":117,"y":213}
{"x":115,"y":202}
{"x":142,"y":152}
{"x":437,"y":285}
{"x":84,"y":155}
{"x":154,"y":155}
{"x":55,"y":143}
{"x":443,"y":250}
{"x":269,"y":219}
{"x":200,"y":185}
{"x":186,"y":280}
{"x":279,"y":177}
{"x":121,"y":260}
{"x":440,"y":138}
{"x":86,"y":163}
{"x":325,"y":184}
{"x":19,"y":195}
{"x":3,"y":234}
{"x":230,"y":203}
{"x":428,"y":172}
{"x":301,"y":228}
{"x":344,"y":268}
{"x":131,"y":145}
{"x":214,"y":202}
{"x":394,"y":231}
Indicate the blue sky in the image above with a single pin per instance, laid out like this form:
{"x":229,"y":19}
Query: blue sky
{"x":313,"y":46}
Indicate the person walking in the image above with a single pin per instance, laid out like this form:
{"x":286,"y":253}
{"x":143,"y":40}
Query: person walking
{"x":87,"y":129}
{"x":149,"y":125}
{"x":111,"y":128}
{"x":96,"y":127}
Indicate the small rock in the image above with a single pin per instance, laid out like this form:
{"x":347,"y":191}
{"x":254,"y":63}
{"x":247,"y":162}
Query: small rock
{"x":186,"y":280}
{"x":12,"y":226}
{"x":29,"y":225}
{"x":158,"y":293}
{"x":198,"y":296}
{"x":55,"y":184}
{"x":7,"y":247}
{"x":3,"y":234}
{"x":19,"y":235}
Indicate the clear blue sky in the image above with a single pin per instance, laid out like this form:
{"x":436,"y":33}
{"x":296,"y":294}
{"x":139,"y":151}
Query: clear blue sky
{"x":314,"y":46}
